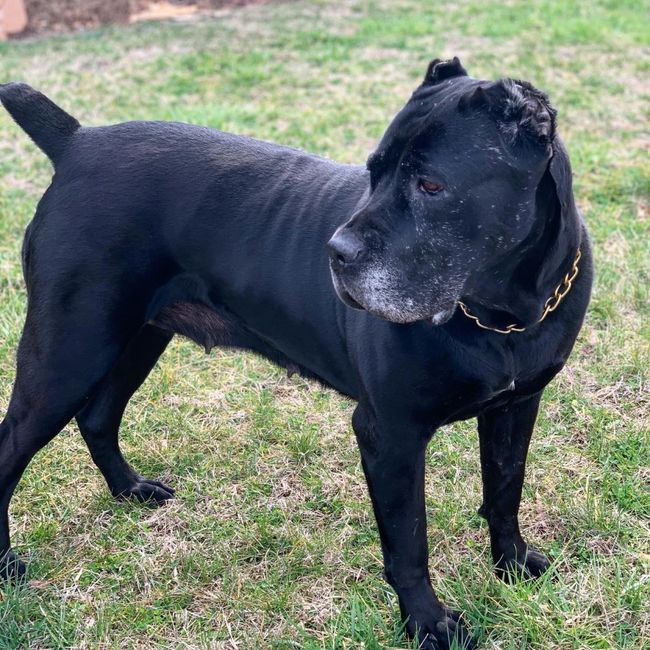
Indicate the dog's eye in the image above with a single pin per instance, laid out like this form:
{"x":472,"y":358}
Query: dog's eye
{"x":429,"y":187}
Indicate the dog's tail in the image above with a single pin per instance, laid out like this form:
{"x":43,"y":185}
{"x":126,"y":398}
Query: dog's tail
{"x":49,"y":126}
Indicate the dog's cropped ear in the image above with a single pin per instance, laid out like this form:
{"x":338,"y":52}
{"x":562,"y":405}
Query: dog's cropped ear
{"x":559,"y":169}
{"x":559,"y":218}
{"x":551,"y":246}
{"x":523,"y":113}
{"x":440,"y":70}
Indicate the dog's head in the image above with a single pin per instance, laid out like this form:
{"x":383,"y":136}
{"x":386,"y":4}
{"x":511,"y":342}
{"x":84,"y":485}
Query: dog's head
{"x":454,"y":187}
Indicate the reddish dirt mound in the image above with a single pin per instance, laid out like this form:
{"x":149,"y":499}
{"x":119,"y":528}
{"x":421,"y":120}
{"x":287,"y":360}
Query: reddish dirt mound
{"x":70,"y":15}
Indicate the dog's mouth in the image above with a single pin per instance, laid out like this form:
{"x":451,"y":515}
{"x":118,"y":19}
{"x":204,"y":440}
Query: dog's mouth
{"x":343,"y":293}
{"x":345,"y":296}
{"x":438,"y":318}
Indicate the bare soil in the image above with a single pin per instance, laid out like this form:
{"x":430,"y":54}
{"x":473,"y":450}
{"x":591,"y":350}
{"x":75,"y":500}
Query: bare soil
{"x":73,"y":15}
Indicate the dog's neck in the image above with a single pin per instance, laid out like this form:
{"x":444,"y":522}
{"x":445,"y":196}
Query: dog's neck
{"x":503,"y":314}
{"x":516,"y":288}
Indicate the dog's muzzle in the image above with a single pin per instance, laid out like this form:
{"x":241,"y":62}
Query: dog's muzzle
{"x":342,"y":292}
{"x":348,"y":255}
{"x":345,"y":251}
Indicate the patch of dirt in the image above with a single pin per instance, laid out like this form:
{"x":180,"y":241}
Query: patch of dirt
{"x":73,"y":15}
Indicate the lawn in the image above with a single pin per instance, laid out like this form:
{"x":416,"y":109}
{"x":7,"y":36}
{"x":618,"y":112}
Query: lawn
{"x":271,"y":542}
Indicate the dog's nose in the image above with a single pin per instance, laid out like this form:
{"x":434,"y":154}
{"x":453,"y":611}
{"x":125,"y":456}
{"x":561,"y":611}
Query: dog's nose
{"x":344,"y":249}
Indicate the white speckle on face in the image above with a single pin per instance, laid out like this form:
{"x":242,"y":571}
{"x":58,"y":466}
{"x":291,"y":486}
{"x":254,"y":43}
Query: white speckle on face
{"x":441,"y":316}
{"x":383,"y":290}
{"x":378,"y":287}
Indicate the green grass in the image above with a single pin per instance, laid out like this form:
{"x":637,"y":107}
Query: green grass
{"x":271,"y":541}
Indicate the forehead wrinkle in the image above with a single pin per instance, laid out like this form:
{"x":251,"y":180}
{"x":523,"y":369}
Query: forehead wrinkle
{"x":473,"y":143}
{"x":406,"y":126}
{"x":422,"y":112}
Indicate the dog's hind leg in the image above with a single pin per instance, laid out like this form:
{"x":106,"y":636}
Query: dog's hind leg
{"x":67,"y":347}
{"x":99,"y":420}
{"x":504,"y":435}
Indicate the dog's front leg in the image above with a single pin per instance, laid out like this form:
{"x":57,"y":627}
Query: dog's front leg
{"x":504,"y":435}
{"x":393,"y":461}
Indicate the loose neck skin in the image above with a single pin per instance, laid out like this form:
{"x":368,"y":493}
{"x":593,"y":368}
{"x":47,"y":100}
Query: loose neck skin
{"x":515,"y":288}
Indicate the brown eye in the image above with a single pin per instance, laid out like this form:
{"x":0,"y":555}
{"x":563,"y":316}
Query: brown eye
{"x":429,"y":187}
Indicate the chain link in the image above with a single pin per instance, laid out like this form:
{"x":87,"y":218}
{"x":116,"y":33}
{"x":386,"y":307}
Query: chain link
{"x":550,"y":305}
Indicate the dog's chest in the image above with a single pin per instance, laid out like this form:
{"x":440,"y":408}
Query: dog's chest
{"x":489,"y":375}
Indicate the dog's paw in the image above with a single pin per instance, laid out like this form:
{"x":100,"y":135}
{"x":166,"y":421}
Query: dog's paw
{"x":523,"y":566}
{"x":146,"y":491}
{"x":11,"y":568}
{"x":448,"y":633}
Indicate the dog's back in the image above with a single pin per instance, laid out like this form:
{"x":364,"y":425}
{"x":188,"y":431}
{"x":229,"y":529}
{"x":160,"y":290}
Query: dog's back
{"x":158,"y":208}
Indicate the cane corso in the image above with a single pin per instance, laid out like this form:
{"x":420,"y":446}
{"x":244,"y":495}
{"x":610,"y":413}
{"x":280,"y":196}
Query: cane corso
{"x":446,"y":279}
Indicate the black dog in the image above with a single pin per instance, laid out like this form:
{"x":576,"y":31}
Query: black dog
{"x":462,"y":233}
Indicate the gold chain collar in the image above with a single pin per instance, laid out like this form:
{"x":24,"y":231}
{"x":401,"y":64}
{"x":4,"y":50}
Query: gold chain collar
{"x":550,"y":305}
